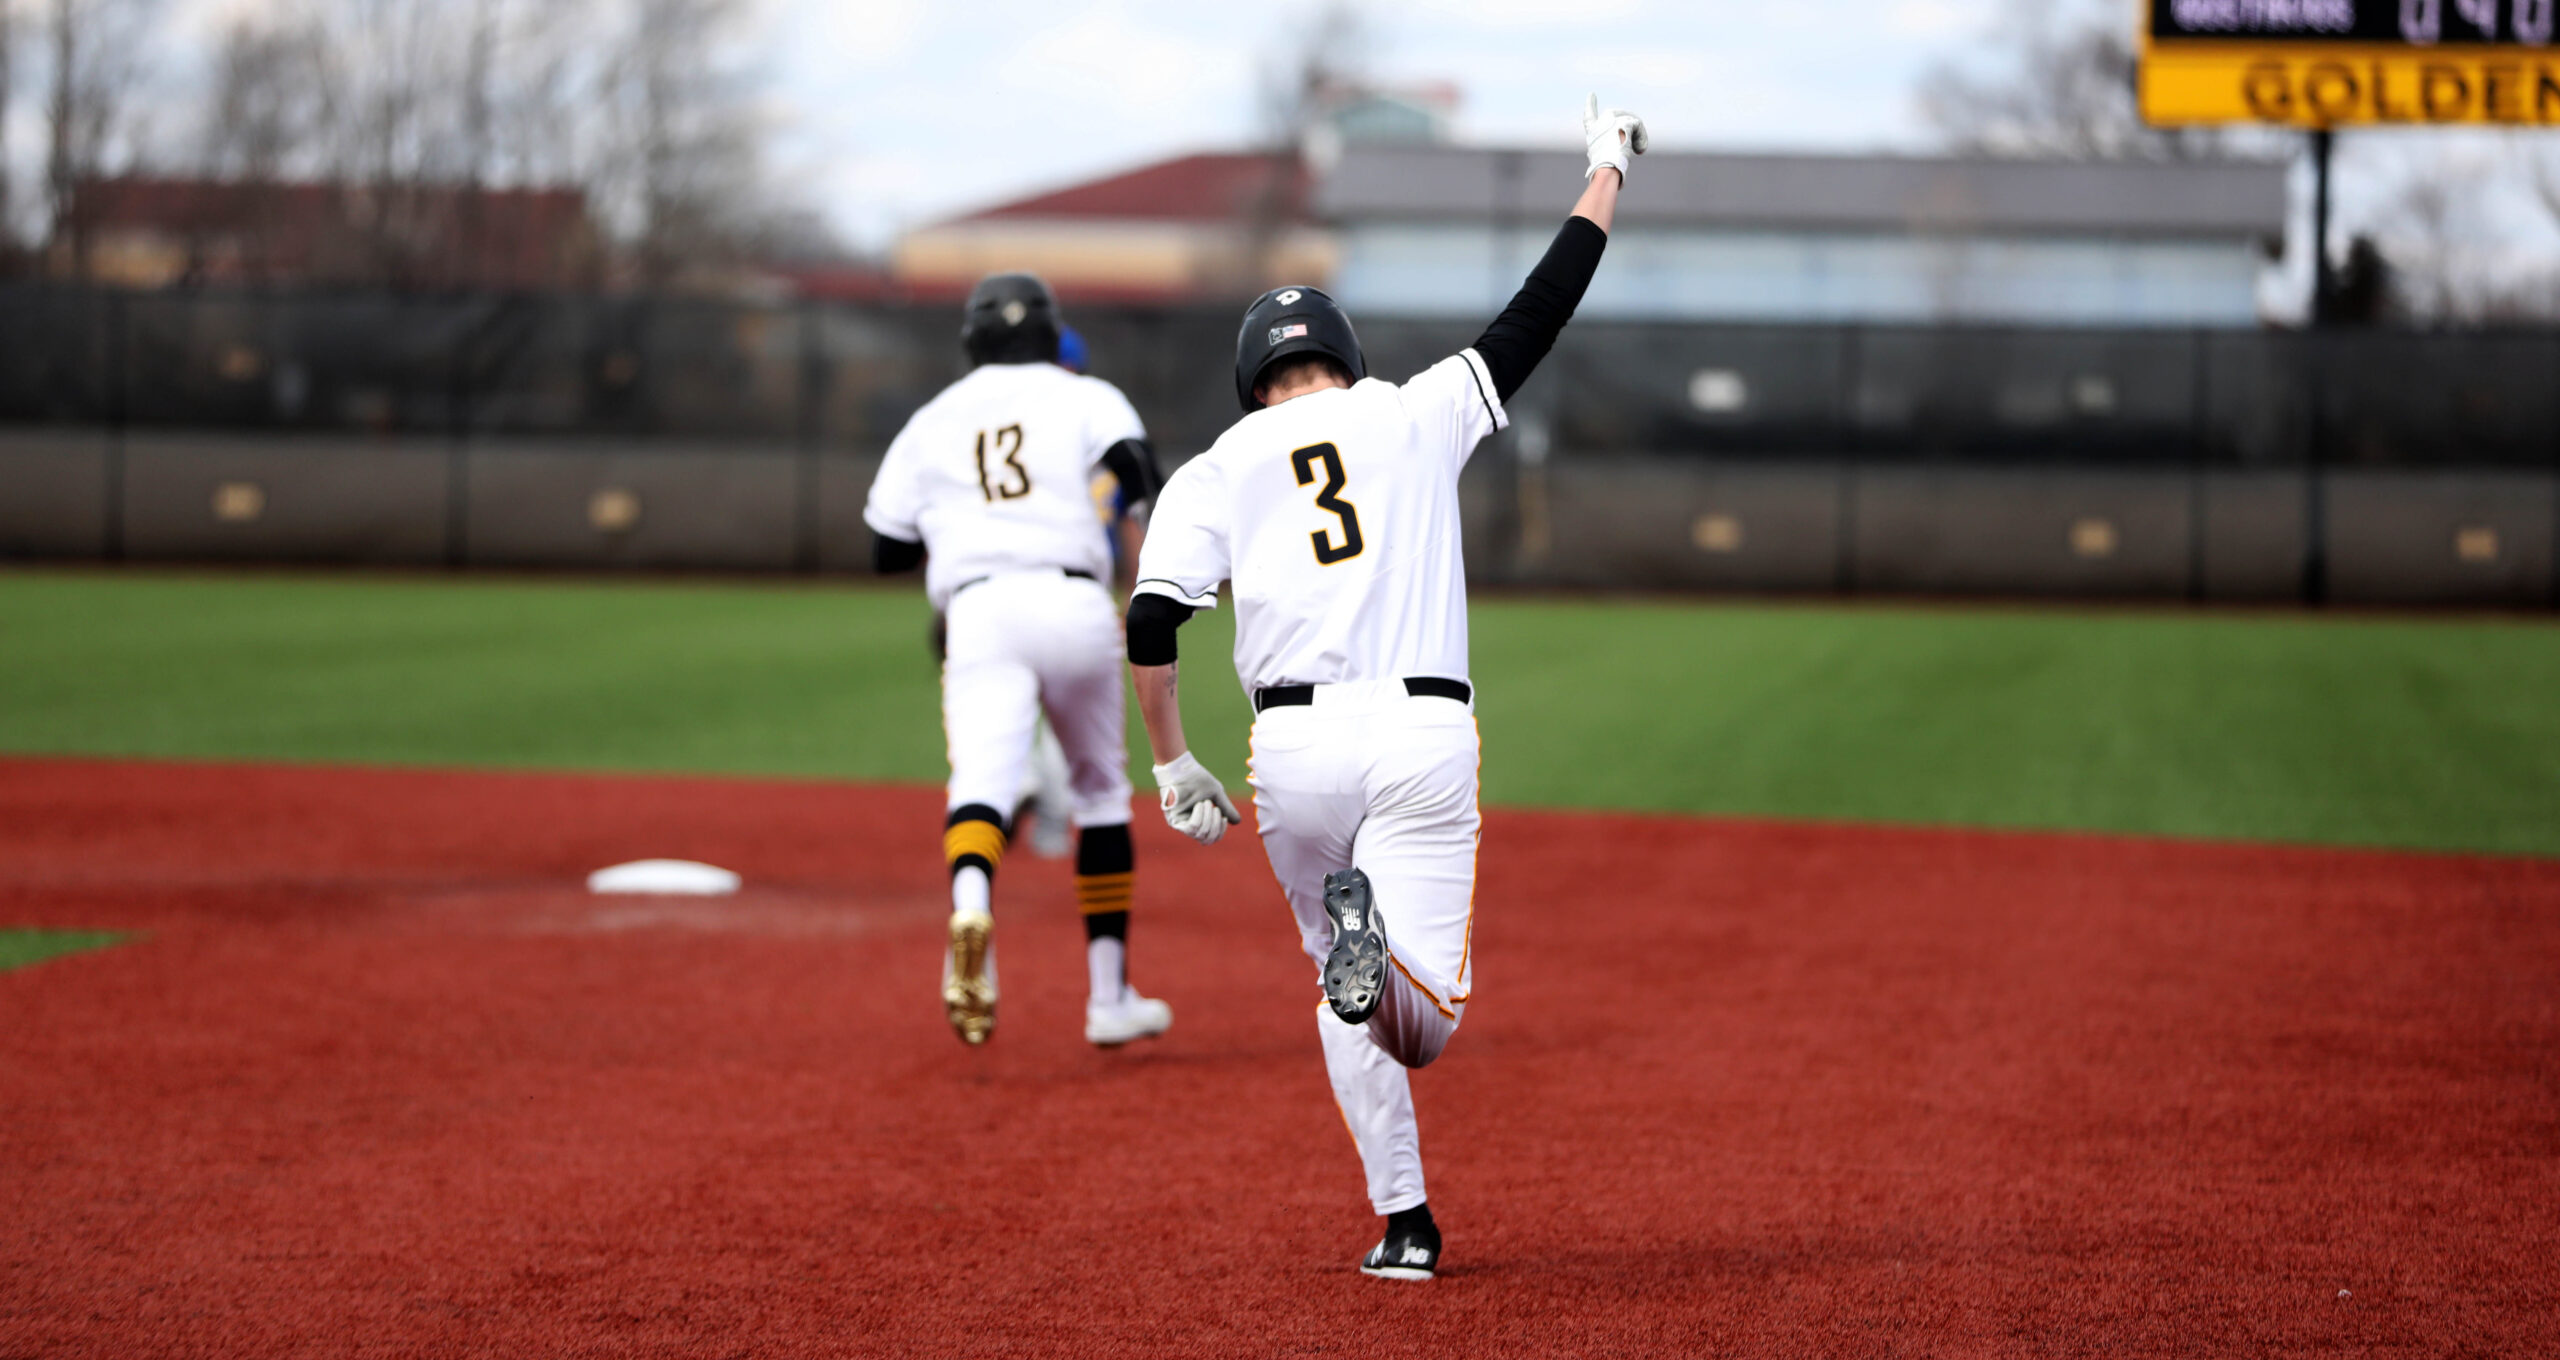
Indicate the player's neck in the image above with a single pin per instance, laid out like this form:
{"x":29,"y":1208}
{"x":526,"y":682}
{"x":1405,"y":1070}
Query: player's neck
{"x":1313,"y":382}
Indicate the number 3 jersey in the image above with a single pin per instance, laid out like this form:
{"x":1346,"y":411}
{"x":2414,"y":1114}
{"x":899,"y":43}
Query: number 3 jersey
{"x":1335,"y":516}
{"x":996,"y":475}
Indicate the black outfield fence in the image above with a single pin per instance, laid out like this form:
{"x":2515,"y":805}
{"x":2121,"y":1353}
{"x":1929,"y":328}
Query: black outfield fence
{"x":582,"y":431}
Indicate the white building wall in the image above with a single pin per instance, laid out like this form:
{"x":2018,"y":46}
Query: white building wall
{"x":1466,"y":270}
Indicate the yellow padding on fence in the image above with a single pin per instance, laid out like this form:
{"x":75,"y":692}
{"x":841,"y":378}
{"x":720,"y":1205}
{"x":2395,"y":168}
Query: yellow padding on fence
{"x":1104,"y":892}
{"x":983,"y":839}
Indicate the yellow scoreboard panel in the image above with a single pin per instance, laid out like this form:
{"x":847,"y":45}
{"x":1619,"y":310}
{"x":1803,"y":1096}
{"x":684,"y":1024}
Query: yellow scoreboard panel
{"x":2340,"y":63}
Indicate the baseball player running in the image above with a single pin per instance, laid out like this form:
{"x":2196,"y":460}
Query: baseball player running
{"x":990,"y":486}
{"x":1332,"y":509}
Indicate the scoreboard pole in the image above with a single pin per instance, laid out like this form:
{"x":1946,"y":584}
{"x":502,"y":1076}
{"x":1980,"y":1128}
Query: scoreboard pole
{"x":2324,"y":283}
{"x":2324,"y":314}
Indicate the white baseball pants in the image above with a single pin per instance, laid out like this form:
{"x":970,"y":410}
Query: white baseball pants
{"x":1020,"y":644}
{"x":1371,"y":777}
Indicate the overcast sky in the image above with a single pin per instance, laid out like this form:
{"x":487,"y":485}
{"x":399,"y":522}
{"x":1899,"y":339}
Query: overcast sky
{"x":899,"y":111}
{"x":890,"y":113}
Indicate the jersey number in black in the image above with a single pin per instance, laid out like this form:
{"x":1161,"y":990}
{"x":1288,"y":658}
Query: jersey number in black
{"x":1304,"y":460}
{"x":1020,"y":483}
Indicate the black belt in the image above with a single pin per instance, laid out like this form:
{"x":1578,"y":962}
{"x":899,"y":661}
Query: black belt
{"x":1419,"y":686}
{"x":982,"y":580}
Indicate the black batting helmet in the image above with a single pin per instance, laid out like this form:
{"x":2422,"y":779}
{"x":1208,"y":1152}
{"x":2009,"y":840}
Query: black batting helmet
{"x":1287,"y":321}
{"x":1011,"y":319}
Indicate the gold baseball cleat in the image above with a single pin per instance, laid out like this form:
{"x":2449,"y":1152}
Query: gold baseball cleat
{"x":969,"y":977}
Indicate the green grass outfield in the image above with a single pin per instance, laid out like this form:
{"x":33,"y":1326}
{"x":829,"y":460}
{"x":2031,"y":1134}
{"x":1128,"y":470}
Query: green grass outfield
{"x":18,"y":948}
{"x":2408,"y":731}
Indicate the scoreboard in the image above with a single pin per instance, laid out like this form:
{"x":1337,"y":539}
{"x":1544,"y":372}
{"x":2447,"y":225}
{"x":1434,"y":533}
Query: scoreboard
{"x":2336,"y":63}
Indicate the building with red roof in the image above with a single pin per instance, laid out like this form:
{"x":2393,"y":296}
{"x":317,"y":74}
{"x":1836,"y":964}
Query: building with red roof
{"x":1214,"y":224}
{"x":145,"y":232}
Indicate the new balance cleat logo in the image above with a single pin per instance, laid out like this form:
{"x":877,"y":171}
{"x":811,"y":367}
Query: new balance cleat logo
{"x":1409,"y":1252}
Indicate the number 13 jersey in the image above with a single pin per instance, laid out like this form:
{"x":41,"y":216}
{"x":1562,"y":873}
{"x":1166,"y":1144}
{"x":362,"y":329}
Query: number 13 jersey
{"x":1335,"y":516}
{"x":996,"y":475}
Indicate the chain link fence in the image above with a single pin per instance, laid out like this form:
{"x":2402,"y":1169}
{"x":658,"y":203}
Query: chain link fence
{"x":554,"y":430}
{"x":844,"y":378}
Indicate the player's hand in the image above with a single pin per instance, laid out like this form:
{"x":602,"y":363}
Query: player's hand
{"x":1610,"y":137}
{"x":1195,"y":803}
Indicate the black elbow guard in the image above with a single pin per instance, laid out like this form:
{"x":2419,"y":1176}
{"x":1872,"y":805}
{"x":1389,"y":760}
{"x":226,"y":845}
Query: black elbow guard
{"x":1133,"y":461}
{"x":889,"y":556}
{"x":1152,"y":622}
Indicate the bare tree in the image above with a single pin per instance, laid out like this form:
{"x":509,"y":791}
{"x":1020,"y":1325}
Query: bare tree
{"x":58,"y":168}
{"x":8,"y":68}
{"x":2542,"y":181}
{"x":411,"y":112}
{"x":2428,"y":220}
{"x":400,"y":62}
{"x":1312,"y":75}
{"x":2468,"y":233}
{"x":101,"y":50}
{"x":2061,"y":84}
{"x":526,"y":116}
{"x":543,"y":87}
{"x":486,"y":92}
{"x":682,"y":167}
{"x":269,"y":109}
{"x":479,"y":99}
{"x":1308,"y":80}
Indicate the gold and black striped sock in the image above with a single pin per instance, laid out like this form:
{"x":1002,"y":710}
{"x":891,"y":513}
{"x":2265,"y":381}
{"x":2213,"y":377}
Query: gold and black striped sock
{"x":974,"y":838}
{"x":1105,"y":880}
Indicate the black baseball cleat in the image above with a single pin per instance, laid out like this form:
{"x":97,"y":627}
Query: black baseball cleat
{"x":1355,"y":973}
{"x":1409,"y":1251}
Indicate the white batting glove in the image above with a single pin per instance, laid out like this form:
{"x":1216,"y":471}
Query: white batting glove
{"x":1195,"y":803}
{"x":1610,"y":137}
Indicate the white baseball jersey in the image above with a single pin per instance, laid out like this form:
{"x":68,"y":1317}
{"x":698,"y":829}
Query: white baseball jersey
{"x":1335,"y":515}
{"x":995,"y":475}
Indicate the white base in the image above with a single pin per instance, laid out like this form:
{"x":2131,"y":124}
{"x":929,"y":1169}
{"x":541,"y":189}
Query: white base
{"x":669,"y":877}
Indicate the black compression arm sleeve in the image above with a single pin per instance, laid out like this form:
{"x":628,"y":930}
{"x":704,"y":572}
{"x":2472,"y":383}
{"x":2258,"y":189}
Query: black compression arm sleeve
{"x":1512,"y":346}
{"x":889,"y":556}
{"x":1133,"y":461}
{"x":1152,"y":621}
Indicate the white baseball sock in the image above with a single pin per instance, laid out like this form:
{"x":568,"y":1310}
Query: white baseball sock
{"x":971,"y":890}
{"x":1106,"y":962}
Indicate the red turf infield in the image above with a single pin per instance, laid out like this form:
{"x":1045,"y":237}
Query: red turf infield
{"x":379,"y":1080}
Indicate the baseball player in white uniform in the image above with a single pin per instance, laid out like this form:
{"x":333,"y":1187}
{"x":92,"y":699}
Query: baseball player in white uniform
{"x":1331,"y":509}
{"x":991,"y":486}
